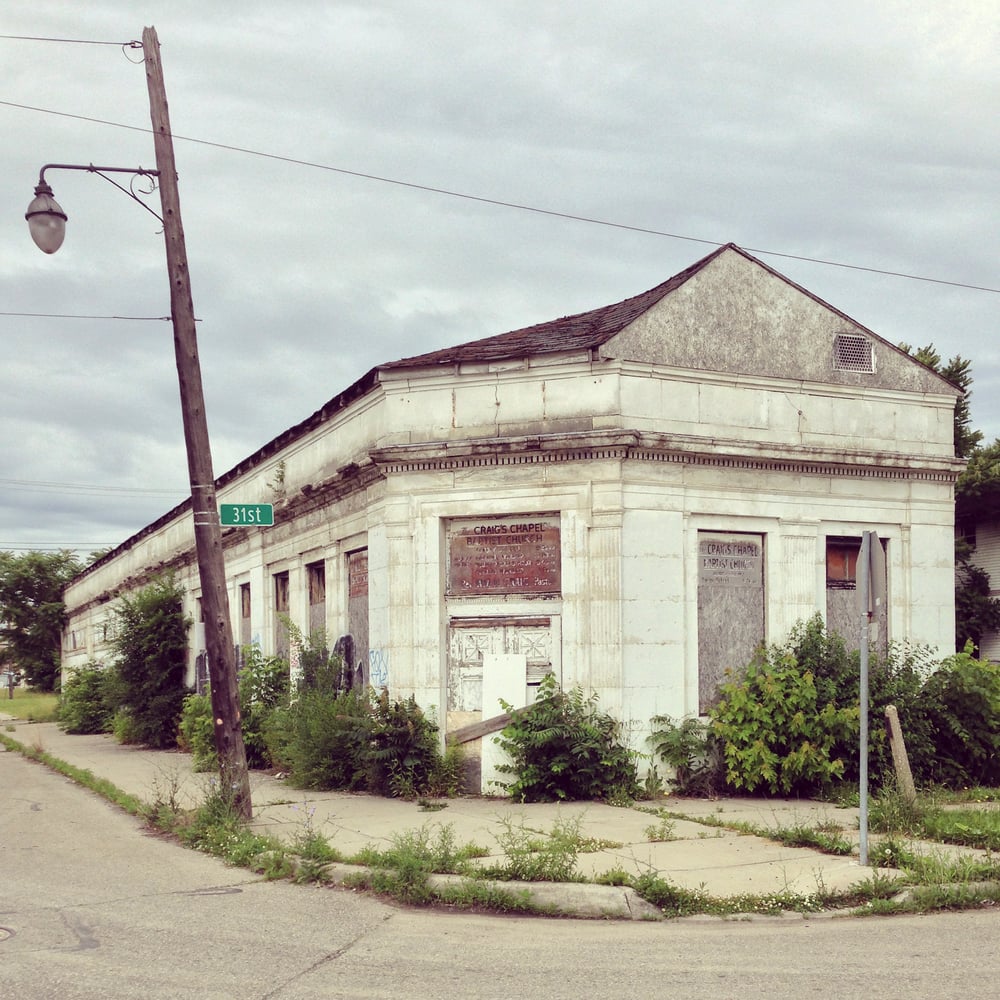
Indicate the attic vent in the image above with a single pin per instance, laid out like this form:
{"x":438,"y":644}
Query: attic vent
{"x":853,"y":354}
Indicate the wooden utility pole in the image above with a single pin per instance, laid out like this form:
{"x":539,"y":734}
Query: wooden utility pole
{"x":204,"y":506}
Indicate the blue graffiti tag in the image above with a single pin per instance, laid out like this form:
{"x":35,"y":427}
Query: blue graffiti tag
{"x":378,"y":667}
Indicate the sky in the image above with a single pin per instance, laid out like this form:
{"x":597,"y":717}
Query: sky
{"x":341,"y":167}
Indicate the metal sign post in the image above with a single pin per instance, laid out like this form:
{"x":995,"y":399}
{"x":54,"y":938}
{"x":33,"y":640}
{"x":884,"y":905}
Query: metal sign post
{"x":871,"y":596}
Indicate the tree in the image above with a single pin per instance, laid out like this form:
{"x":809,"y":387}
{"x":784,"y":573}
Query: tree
{"x":977,"y":497}
{"x":975,"y":611}
{"x":151,"y":642}
{"x":32,"y":613}
{"x":958,"y":371}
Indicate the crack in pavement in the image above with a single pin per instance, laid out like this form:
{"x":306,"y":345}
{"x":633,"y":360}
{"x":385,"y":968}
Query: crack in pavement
{"x":320,"y":962}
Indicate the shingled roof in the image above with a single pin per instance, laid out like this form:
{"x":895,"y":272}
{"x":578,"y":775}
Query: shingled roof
{"x":582,"y":331}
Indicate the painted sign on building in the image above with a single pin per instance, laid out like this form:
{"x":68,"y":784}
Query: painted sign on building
{"x":504,"y":555}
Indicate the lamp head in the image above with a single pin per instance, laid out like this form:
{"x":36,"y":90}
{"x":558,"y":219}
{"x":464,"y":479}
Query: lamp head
{"x":46,"y":220}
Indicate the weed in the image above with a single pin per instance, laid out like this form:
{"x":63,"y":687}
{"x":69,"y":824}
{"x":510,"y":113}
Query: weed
{"x":890,"y":852}
{"x":806,"y":836}
{"x":660,"y":832}
{"x":892,"y":812}
{"x":966,"y":827}
{"x":530,"y":858}
{"x":434,"y":851}
{"x":425,"y":805}
{"x":673,"y":900}
{"x":691,"y":749}
{"x":473,"y":894}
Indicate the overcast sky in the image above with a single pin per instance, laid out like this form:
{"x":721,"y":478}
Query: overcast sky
{"x":864,"y":133}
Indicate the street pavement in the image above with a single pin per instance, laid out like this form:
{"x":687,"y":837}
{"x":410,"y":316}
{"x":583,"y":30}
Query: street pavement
{"x":700,"y":854}
{"x":94,"y":907}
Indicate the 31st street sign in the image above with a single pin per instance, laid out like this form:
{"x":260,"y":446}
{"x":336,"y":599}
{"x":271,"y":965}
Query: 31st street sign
{"x":246,"y":515}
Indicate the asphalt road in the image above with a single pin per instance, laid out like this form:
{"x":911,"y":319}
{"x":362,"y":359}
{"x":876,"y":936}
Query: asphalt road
{"x":91,"y":906}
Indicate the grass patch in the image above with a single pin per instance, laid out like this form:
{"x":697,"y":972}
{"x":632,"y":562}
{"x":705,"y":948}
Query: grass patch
{"x":31,"y":706}
{"x":531,"y":856}
{"x":822,"y":836}
{"x":425,"y":848}
{"x":966,"y":827}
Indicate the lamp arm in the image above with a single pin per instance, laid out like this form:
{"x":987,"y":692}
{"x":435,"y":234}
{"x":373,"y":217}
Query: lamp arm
{"x":102,"y":171}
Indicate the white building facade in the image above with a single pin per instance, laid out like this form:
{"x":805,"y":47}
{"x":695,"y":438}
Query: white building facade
{"x":633,"y":498}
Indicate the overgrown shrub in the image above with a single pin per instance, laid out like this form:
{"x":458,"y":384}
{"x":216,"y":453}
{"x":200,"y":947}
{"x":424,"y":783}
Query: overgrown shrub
{"x":196,"y":732}
{"x":151,"y":644}
{"x":358,"y":741}
{"x":893,"y":679}
{"x":323,"y":741}
{"x":404,"y":756}
{"x":263,"y":686}
{"x":319,"y":669}
{"x":694,"y":753}
{"x":777,"y":735}
{"x":86,"y":701}
{"x":562,"y":748}
{"x":960,"y":706}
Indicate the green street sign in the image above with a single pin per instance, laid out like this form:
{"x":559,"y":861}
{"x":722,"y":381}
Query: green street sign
{"x":246,"y":515}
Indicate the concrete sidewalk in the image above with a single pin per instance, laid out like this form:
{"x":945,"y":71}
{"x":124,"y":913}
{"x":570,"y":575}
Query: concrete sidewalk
{"x":699,"y":855}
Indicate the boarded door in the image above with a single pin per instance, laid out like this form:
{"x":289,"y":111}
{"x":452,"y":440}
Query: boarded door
{"x":489,"y":659}
{"x":730,"y":607}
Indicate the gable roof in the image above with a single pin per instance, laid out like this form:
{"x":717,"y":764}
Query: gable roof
{"x":581,"y":331}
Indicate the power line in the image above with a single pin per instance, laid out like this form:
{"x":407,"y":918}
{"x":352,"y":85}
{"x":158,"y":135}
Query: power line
{"x":87,"y":489}
{"x":32,"y":315}
{"x":70,"y":41}
{"x":517,"y":206}
{"x":55,"y":546}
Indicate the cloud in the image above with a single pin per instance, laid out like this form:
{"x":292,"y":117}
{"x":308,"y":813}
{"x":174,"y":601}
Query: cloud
{"x":865,"y":138}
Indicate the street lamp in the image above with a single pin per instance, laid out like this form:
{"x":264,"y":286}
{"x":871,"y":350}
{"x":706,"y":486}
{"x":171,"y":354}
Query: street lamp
{"x":46,"y":220}
{"x":47,"y":223}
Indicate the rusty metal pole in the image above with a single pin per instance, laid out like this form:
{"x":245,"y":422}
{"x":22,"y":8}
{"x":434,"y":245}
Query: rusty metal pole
{"x":204,"y":506}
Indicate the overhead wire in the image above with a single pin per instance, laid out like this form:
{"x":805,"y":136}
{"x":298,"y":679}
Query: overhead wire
{"x":501,"y":203}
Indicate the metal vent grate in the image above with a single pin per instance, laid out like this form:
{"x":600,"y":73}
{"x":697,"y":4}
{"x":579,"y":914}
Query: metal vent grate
{"x":853,"y":354}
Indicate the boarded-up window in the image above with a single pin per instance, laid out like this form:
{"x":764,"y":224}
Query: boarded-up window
{"x":316,"y":576}
{"x":842,"y":563}
{"x":245,"y":633}
{"x":280,"y":614}
{"x":357,"y":609}
{"x":843,"y":616}
{"x":730,"y":608}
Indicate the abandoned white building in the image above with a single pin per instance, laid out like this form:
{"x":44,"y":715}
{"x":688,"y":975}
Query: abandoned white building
{"x":633,"y":498}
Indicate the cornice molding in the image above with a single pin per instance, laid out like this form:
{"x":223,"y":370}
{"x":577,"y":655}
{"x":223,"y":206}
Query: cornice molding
{"x":637,"y":446}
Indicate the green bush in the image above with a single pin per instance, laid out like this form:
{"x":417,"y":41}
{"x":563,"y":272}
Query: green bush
{"x":694,"y":753}
{"x":777,"y":735}
{"x":894,"y":679}
{"x":404,"y":755}
{"x":85,"y":703}
{"x":196,"y":732}
{"x":562,"y":748}
{"x":263,"y":686}
{"x":151,"y":644}
{"x":322,"y":740}
{"x":960,"y":707}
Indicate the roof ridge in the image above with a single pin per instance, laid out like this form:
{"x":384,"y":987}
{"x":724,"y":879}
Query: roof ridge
{"x":577,"y":331}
